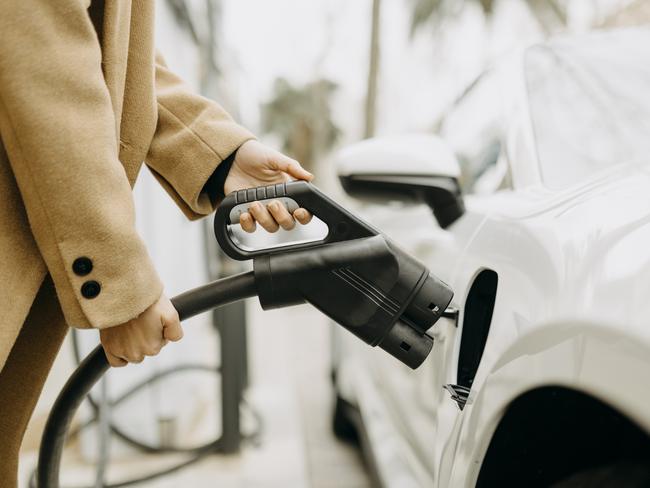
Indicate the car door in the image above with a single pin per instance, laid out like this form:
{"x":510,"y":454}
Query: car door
{"x":421,"y":407}
{"x":417,"y":399}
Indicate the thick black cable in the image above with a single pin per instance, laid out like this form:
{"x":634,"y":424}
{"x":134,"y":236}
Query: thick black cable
{"x":196,"y":453}
{"x":93,"y":367}
{"x":123,"y":436}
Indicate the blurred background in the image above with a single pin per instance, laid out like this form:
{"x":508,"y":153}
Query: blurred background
{"x":308,"y":78}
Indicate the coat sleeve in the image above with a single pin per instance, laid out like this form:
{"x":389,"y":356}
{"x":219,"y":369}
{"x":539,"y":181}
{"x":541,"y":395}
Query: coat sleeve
{"x":193,"y":136}
{"x":57,"y":125}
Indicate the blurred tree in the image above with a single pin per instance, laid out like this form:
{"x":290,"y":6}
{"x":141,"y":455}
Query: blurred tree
{"x":550,"y":14}
{"x":373,"y":70}
{"x":183,"y":16}
{"x":636,"y":13}
{"x":202,"y":31}
{"x":302,"y":117}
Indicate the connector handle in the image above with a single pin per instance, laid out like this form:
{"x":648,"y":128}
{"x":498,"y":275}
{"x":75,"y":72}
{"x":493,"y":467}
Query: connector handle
{"x":342,"y":225}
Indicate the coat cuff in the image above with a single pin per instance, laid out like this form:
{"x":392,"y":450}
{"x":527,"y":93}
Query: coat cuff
{"x":187,"y":169}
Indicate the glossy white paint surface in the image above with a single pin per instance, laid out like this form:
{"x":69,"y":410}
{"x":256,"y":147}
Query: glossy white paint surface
{"x":571,"y":309}
{"x":571,"y":305}
{"x":573,"y":264}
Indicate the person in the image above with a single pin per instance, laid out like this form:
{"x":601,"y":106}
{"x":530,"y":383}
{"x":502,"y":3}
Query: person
{"x":84,"y":101}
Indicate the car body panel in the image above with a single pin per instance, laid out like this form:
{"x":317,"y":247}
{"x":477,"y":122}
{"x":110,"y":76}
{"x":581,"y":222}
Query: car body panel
{"x":572,"y":305}
{"x":560,"y":308}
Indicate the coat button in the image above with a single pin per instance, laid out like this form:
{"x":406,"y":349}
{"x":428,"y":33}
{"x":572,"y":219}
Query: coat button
{"x":90,"y":289}
{"x":82,"y":266}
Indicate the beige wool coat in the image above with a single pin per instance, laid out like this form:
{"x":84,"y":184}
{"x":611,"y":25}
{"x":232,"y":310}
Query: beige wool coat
{"x":84,"y":101}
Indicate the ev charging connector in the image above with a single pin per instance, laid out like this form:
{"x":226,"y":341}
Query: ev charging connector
{"x":354,"y":275}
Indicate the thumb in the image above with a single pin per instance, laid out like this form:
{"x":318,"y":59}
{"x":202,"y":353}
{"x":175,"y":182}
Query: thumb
{"x":292,"y":168}
{"x":172,"y":330}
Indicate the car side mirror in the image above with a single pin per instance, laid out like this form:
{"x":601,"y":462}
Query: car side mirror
{"x":409,"y":168}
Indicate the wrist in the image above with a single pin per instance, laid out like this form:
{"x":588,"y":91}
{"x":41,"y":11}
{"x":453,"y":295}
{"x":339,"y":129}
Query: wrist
{"x":214,"y":187}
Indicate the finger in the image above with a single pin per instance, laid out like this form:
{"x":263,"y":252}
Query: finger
{"x":263,"y":217}
{"x":135,"y":358}
{"x":281,"y":215}
{"x":247,"y":222}
{"x":154,"y":350}
{"x":173,"y":331}
{"x":114,"y":361}
{"x":292,"y":168}
{"x":302,"y":216}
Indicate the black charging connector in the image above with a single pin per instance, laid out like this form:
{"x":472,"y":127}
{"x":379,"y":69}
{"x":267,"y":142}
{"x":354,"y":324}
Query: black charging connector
{"x":355,"y":275}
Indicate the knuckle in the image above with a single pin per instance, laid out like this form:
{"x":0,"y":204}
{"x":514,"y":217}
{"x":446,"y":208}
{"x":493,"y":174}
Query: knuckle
{"x":256,"y":210}
{"x":288,"y":223}
{"x":172,"y":317}
{"x":115,"y":361}
{"x":114,"y":352}
{"x":131,"y":356}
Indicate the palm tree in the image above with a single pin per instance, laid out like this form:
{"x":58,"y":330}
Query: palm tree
{"x":203,"y":33}
{"x":425,"y":11}
{"x":549,"y":13}
{"x":634,"y":14}
{"x":302,"y":117}
{"x":373,"y":70}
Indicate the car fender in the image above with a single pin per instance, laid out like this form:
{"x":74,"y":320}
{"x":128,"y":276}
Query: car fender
{"x":600,"y":360}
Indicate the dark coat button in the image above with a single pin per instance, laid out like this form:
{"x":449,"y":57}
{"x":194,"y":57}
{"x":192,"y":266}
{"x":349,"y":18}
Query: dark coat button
{"x":90,"y":289}
{"x":82,"y":266}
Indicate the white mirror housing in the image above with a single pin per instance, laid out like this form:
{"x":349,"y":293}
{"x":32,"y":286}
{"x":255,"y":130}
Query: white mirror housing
{"x":416,"y":167}
{"x":409,"y":154}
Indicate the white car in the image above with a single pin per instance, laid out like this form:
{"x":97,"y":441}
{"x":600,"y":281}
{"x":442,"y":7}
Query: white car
{"x":540,"y":373}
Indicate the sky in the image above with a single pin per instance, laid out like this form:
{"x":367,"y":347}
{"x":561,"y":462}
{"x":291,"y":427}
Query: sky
{"x":303,"y":41}
{"x":300,"y":40}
